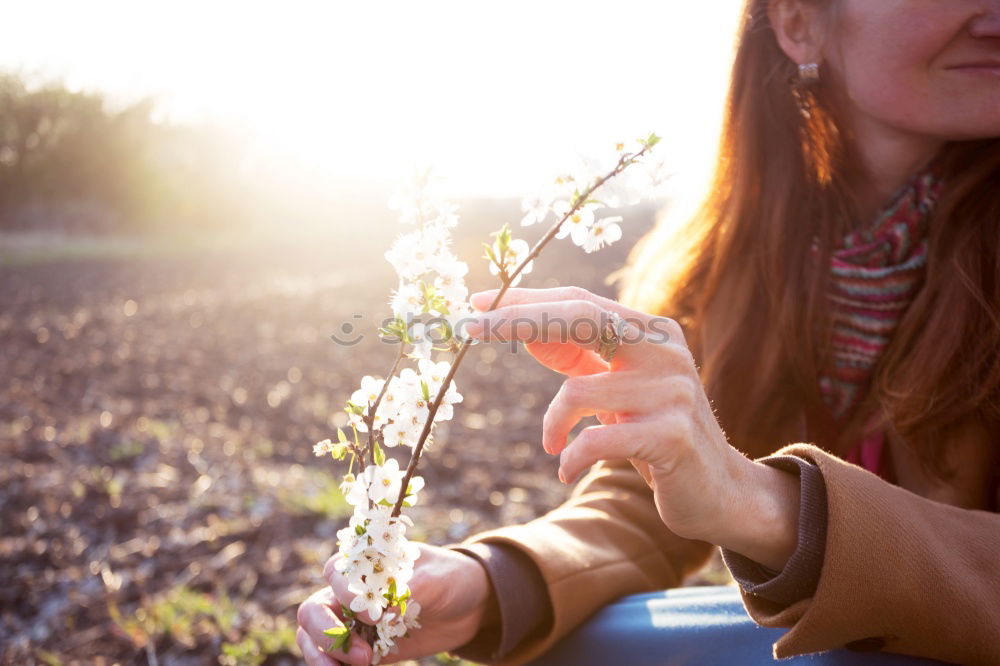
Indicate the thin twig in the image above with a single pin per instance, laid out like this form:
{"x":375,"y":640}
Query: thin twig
{"x":372,"y":407}
{"x":623,"y":161}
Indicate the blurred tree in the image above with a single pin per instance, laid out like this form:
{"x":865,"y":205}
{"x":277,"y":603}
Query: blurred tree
{"x":69,"y":162}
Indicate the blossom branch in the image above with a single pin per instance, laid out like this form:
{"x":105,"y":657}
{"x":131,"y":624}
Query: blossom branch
{"x":623,"y":162}
{"x":377,"y":559}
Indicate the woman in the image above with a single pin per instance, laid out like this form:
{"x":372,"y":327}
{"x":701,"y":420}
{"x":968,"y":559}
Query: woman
{"x":834,"y":431}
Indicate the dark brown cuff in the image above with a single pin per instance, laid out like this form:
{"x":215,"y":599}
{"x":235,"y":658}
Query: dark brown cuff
{"x":798,"y":579}
{"x":519,"y":605}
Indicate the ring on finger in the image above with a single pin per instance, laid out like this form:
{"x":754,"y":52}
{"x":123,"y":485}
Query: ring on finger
{"x":611,"y":335}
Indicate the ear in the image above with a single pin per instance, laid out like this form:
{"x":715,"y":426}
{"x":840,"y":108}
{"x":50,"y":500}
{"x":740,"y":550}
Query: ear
{"x":798,"y":28}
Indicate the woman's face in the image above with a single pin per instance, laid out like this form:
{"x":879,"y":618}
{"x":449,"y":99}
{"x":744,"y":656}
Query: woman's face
{"x":909,"y":64}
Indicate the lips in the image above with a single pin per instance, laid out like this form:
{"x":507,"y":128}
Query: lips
{"x":980,"y":64}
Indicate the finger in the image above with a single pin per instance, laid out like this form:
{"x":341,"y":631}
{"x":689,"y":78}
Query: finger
{"x":481,"y":300}
{"x":566,"y":359}
{"x":576,"y":322}
{"x":646,"y":442}
{"x":643,"y":469}
{"x":662,"y":329}
{"x":607,"y":418}
{"x":587,"y":395}
{"x":311,"y":653}
{"x":319,"y":613}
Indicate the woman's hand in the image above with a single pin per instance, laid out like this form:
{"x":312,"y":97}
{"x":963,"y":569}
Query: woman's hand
{"x":654,"y":412}
{"x":452,"y":590}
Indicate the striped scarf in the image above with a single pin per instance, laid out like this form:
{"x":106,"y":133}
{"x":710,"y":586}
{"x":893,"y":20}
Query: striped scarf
{"x":875,"y":273}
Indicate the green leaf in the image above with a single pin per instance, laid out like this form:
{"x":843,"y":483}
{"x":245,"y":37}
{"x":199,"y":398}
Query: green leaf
{"x":341,"y":638}
{"x":379,"y":454}
{"x":402,"y":607}
{"x":359,"y":530}
{"x":339,"y":451}
{"x":426,"y":390}
{"x":396,"y":329}
{"x":430,"y":295}
{"x":503,"y":241}
{"x":652,"y":139}
{"x":446,"y":328}
{"x":489,"y":253}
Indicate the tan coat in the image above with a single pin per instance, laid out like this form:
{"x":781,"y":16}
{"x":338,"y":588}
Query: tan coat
{"x":913,"y":569}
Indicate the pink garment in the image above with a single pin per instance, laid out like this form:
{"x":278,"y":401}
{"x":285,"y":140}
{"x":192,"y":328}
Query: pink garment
{"x":872,"y":454}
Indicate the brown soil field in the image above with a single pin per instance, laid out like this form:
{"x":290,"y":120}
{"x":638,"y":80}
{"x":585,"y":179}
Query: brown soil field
{"x":159,"y":500}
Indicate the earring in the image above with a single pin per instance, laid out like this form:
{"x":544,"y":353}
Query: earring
{"x":802,"y":89}
{"x":809,"y":72}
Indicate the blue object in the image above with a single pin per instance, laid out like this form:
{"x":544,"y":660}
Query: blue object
{"x":689,"y":626}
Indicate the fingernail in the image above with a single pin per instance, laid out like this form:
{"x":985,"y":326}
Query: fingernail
{"x":561,"y":476}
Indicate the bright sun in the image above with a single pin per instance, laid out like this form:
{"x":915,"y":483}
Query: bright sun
{"x":495,"y":96}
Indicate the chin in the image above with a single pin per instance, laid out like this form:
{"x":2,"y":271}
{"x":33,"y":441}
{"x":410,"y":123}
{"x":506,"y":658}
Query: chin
{"x":974,"y":132}
{"x":968,"y":126}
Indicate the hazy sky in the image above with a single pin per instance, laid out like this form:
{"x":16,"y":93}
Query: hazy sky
{"x":496,"y":95}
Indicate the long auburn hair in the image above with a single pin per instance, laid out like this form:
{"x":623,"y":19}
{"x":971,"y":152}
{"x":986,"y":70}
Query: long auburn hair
{"x":736,"y":275}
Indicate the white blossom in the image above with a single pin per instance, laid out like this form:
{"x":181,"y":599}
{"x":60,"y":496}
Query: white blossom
{"x":517,"y":252}
{"x":603,"y":232}
{"x":369,"y":600}
{"x":421,"y":251}
{"x":563,"y":186}
{"x":450,"y":282}
{"x":433,"y":375}
{"x":459,"y":313}
{"x":415,"y":486}
{"x":536,"y":208}
{"x":363,"y":397}
{"x":577,"y":223}
{"x":407,"y":301}
{"x":383,"y":481}
{"x":356,"y":492}
{"x":368,"y":393}
{"x":322,"y":448}
{"x":423,"y":345}
{"x":412,"y":613}
{"x":622,"y":190}
{"x":391,"y":400}
{"x":400,"y":433}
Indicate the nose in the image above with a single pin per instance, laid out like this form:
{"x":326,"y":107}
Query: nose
{"x":986,"y":23}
